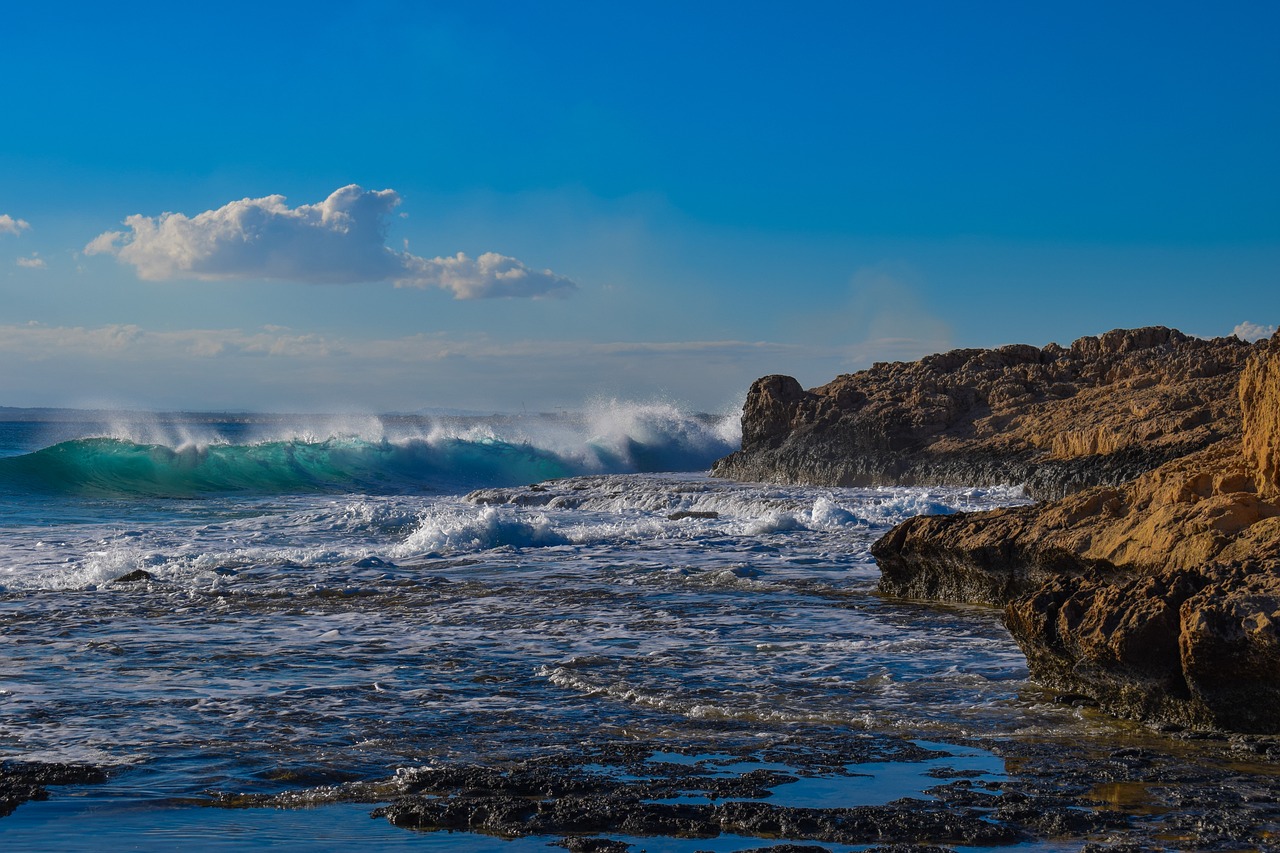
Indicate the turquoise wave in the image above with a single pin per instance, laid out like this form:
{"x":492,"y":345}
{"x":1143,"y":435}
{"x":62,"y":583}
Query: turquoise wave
{"x":115,"y":467}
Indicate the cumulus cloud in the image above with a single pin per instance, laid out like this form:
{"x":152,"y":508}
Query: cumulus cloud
{"x":487,"y":276}
{"x":35,"y":262}
{"x":9,"y":225}
{"x":340,"y":240}
{"x":1251,"y":332}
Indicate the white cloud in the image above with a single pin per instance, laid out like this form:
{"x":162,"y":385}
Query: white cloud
{"x":1247,"y":331}
{"x":9,"y":225}
{"x":490,"y":275}
{"x":341,"y":240}
{"x":35,"y":262}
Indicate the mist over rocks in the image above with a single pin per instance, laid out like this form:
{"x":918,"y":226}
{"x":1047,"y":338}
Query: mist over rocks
{"x":1148,"y":578}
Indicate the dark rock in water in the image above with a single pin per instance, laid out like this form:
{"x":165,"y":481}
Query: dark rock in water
{"x":1099,"y":412}
{"x":538,"y":798}
{"x":805,"y":848}
{"x":579,"y":844}
{"x":507,"y":816}
{"x":692,"y":513}
{"x":373,"y":563}
{"x":1137,"y":792}
{"x":22,"y":781}
{"x":135,"y":576}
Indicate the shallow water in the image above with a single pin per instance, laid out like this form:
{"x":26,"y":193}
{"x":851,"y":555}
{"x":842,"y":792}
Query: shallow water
{"x":290,"y":640}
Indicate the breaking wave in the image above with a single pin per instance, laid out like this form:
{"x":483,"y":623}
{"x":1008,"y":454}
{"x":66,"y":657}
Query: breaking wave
{"x":419,"y":457}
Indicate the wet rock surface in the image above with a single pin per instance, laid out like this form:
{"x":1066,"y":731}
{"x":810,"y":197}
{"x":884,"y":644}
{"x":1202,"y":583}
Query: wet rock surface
{"x":23,"y":781}
{"x":1145,"y":791}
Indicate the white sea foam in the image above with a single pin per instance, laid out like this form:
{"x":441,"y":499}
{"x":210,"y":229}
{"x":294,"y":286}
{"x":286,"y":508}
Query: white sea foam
{"x":481,"y":530}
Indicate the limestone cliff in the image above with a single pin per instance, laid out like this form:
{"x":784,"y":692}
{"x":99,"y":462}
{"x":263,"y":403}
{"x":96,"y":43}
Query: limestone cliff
{"x":1159,"y":597}
{"x":1058,"y":419}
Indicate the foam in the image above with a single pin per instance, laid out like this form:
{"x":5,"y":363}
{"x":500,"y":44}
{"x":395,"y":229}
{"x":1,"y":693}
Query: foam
{"x":369,"y":454}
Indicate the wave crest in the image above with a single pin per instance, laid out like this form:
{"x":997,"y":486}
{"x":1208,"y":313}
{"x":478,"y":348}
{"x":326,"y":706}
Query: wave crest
{"x":385,"y":457}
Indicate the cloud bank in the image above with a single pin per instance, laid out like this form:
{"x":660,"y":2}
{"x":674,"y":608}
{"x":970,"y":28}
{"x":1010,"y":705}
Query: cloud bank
{"x":341,"y":240}
{"x":9,"y":225}
{"x":1251,"y":332}
{"x":275,"y":368}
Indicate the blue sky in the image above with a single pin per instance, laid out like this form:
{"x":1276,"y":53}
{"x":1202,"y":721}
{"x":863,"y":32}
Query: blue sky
{"x":652,"y":201}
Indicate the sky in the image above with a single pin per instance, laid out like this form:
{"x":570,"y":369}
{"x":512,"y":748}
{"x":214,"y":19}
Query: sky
{"x":399,"y":206}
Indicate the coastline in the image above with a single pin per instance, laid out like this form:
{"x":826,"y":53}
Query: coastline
{"x":607,"y":662}
{"x":1147,"y":576}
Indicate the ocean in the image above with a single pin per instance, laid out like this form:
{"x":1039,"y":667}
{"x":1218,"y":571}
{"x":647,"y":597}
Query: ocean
{"x":257,"y":624}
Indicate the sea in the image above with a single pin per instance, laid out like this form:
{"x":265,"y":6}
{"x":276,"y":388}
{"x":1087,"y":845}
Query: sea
{"x":218,"y":606}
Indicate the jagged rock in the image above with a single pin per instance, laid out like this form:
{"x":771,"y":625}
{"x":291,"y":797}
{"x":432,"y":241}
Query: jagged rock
{"x":1058,"y":419}
{"x":1160,"y":597}
{"x":1181,"y":516}
{"x":21,"y":781}
{"x":1151,"y":582}
{"x":1260,"y":403}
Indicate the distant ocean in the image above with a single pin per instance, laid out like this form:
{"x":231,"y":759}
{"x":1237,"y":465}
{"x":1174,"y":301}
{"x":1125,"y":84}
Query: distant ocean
{"x":330,"y":599}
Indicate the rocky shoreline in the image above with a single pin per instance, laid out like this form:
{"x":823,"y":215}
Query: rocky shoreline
{"x":1148,"y":577}
{"x":1152,"y":794}
{"x":1058,"y":419}
{"x":24,"y":781}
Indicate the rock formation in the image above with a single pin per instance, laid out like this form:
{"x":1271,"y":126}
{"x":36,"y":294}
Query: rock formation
{"x":1159,"y":595}
{"x":1058,"y":419}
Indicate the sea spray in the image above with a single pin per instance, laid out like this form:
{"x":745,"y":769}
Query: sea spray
{"x":388,"y":455}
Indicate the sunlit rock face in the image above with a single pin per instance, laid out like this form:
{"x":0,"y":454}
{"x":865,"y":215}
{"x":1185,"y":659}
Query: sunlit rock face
{"x":1159,"y":597}
{"x":1058,"y":419}
{"x":1150,"y":580}
{"x":1260,"y":404}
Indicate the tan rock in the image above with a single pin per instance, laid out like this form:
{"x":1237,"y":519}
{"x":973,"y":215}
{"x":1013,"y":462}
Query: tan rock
{"x":1160,"y":597}
{"x":1260,"y":401}
{"x":1058,"y":419}
{"x":1152,"y":581}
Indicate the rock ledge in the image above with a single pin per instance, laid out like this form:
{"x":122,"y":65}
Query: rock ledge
{"x":1150,"y":581}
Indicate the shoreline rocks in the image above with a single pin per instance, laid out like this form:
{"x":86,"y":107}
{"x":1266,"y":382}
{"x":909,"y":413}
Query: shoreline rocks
{"x":1057,"y":418}
{"x":24,"y":781}
{"x":1150,"y":581}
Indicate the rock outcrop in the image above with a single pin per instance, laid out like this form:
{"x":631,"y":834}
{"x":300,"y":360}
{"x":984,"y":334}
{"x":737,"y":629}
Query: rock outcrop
{"x":1058,"y":419}
{"x":1159,"y":597}
{"x":1151,"y":579}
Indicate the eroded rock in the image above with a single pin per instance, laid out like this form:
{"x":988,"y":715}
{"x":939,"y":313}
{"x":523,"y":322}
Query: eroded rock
{"x":1160,"y":597}
{"x":1058,"y":419}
